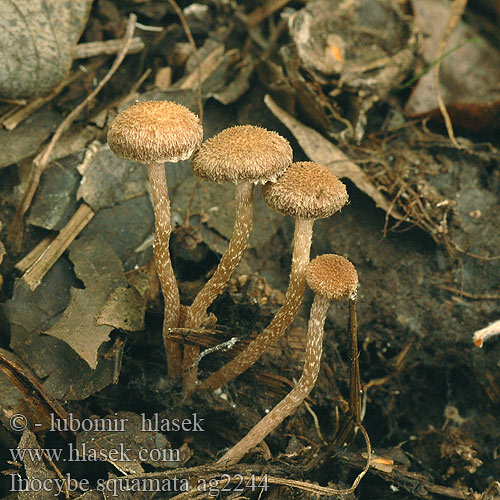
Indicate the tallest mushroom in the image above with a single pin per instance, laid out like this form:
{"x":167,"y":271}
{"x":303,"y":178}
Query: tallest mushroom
{"x":245,"y":155}
{"x":155,"y":132}
{"x":307,"y":191}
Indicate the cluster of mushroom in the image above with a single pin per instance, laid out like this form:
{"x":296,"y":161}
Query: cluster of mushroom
{"x":159,"y":131}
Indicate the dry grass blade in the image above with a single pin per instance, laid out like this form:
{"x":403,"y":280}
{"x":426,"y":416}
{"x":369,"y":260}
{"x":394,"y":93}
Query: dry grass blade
{"x":190,"y":38}
{"x":457,"y":10}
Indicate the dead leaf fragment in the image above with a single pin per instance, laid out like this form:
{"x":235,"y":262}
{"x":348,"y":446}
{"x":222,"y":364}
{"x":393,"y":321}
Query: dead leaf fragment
{"x":121,"y":440}
{"x":36,"y":471}
{"x":108,"y":180}
{"x":124,"y":309}
{"x":25,"y":140}
{"x":100,"y":269}
{"x":65,"y":375}
{"x":54,"y":202}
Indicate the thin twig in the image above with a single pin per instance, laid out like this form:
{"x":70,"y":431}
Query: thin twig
{"x":106,"y":48}
{"x":34,"y":275}
{"x":41,"y":161}
{"x":21,"y":114}
{"x":468,"y":295}
{"x":196,"y":56}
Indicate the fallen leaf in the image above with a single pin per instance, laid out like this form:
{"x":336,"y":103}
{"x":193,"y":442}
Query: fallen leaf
{"x":215,"y":204}
{"x":108,"y":180}
{"x":25,"y":139}
{"x":124,"y":309}
{"x":125,"y":227}
{"x":54,"y":202}
{"x":124,"y":430}
{"x":37,"y":38}
{"x":100,"y":269}
{"x":65,"y":375}
{"x":23,"y":393}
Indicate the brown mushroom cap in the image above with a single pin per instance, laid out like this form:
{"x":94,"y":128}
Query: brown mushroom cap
{"x":243,"y":153}
{"x":306,"y":190}
{"x":155,"y":131}
{"x":332,"y":276}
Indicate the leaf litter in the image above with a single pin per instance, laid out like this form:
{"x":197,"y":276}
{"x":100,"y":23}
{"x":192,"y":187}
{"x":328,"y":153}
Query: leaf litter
{"x":418,"y":187}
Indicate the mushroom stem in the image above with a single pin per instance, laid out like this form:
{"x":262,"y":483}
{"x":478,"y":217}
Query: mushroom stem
{"x":293,"y":400}
{"x":284,"y":317}
{"x":170,"y":290}
{"x":215,"y":285}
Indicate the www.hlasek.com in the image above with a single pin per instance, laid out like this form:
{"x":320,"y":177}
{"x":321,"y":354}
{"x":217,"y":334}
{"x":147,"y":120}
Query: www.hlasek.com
{"x":90,"y":453}
{"x":213,"y":487}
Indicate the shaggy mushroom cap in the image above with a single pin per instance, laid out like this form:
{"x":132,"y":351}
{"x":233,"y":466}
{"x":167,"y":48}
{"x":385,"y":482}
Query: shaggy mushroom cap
{"x":332,"y":276}
{"x":307,"y":190}
{"x":243,"y":153}
{"x":155,"y":131}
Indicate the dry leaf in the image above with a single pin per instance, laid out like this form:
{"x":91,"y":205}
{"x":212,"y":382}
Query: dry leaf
{"x":124,"y":431}
{"x":37,"y":38}
{"x":100,"y":269}
{"x":322,"y":151}
{"x":108,"y":180}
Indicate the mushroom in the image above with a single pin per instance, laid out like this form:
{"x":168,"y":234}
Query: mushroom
{"x":245,"y":155}
{"x":155,"y":132}
{"x":331,"y":277}
{"x":307,"y":191}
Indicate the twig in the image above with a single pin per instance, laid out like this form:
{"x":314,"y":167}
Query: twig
{"x":468,"y":295}
{"x":316,"y":422}
{"x":260,"y":13}
{"x":203,"y":70}
{"x":106,"y":48}
{"x":485,"y":333}
{"x":15,"y":235}
{"x":20,"y":115}
{"x":28,"y":260}
{"x":473,"y":255}
{"x":224,"y":346}
{"x":196,"y":56}
{"x":34,"y":275}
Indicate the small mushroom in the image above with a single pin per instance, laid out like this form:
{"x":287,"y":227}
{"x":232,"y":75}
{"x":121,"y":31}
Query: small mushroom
{"x":307,"y":191}
{"x":245,"y":155}
{"x":155,"y":132}
{"x":331,"y":277}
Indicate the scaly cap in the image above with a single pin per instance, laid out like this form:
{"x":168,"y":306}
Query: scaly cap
{"x":243,"y":153}
{"x":332,"y":276}
{"x":155,"y":131}
{"x":306,"y":190}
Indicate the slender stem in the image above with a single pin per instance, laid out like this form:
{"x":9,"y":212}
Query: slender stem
{"x":295,"y":397}
{"x":214,"y":286}
{"x":282,"y":320}
{"x":170,"y":290}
